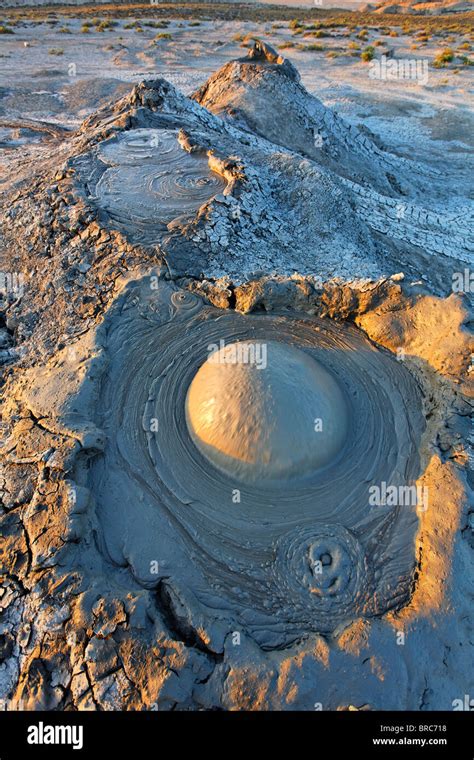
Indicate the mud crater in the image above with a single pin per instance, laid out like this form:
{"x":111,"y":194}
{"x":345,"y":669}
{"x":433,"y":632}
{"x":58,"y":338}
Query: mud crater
{"x":276,"y":546}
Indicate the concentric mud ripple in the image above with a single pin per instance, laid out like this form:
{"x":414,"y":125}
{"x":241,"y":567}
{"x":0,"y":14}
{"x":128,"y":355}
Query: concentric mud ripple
{"x":280,"y":558}
{"x":325,"y":568}
{"x":138,"y":145}
{"x":150,"y":181}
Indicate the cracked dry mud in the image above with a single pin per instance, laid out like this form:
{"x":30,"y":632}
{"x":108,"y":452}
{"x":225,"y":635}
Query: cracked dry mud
{"x":155,"y":557}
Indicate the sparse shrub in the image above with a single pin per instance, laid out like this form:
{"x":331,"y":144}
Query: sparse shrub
{"x":64,"y":30}
{"x":353,"y":45}
{"x":133,"y":25}
{"x":393,"y":33}
{"x":85,"y":29}
{"x":314,"y":46}
{"x":465,"y":46}
{"x":163,"y":36}
{"x":6,"y":30}
{"x":285,"y":45}
{"x":104,"y":25}
{"x":55,"y":51}
{"x":318,"y":34}
{"x":367,"y":54}
{"x":157,"y":24}
{"x":443,"y":57}
{"x":295,"y":24}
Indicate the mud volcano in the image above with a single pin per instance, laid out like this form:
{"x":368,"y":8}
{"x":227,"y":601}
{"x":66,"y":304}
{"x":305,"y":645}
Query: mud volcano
{"x":216,"y":373}
{"x":257,"y":455}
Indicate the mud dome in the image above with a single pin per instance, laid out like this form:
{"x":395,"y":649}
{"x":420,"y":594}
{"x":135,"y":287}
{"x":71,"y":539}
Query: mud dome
{"x":255,"y":534}
{"x":253,"y":410}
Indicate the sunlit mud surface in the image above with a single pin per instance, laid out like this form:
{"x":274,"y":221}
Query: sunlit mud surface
{"x":253,"y":407}
{"x":237,"y":414}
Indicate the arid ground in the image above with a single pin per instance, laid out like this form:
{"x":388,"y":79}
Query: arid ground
{"x":236,"y":444}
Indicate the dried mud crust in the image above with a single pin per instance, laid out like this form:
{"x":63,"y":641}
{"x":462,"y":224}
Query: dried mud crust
{"x":81,"y":626}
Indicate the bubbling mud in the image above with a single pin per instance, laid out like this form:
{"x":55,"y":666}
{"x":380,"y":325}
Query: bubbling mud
{"x":150,"y":181}
{"x":286,"y":542}
{"x":265,"y":410}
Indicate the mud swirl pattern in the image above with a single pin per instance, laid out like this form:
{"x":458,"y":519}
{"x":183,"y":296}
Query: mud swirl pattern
{"x":277,"y":555}
{"x":325,"y":568}
{"x":150,"y":181}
